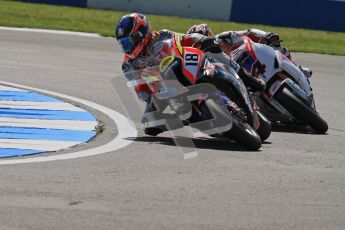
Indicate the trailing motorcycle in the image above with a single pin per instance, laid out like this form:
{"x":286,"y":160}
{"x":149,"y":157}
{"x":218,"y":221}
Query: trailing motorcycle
{"x":288,"y":97}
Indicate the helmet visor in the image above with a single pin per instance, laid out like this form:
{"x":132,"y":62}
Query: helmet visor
{"x":126,"y":44}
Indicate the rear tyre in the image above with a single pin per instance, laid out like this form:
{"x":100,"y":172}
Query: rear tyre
{"x":265,"y":128}
{"x":301,"y":111}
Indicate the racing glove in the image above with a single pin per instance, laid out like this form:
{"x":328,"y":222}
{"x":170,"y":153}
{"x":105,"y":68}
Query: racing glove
{"x":273,"y":39}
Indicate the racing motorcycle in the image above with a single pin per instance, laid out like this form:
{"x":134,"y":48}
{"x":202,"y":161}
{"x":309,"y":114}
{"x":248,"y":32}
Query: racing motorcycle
{"x":288,"y":96}
{"x":198,"y":68}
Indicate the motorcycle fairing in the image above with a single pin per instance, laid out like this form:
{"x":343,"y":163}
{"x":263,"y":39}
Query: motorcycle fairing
{"x":192,"y":61}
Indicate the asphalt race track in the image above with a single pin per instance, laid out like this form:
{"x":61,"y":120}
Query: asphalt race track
{"x":296,"y":181}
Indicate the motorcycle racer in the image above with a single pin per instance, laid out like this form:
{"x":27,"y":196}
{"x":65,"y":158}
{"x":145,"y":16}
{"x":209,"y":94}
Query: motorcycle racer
{"x":231,"y":40}
{"x":141,"y":50}
{"x":138,"y":42}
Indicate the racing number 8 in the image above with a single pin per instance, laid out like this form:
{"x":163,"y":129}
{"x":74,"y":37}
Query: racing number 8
{"x":192,"y":59}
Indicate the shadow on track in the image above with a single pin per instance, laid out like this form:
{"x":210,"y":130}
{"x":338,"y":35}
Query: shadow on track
{"x":292,"y":128}
{"x":200,"y":143}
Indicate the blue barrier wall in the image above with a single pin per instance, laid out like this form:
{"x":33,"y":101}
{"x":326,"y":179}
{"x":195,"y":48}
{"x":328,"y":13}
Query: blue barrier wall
{"x":203,"y":9}
{"x":313,"y":14}
{"x":79,"y":3}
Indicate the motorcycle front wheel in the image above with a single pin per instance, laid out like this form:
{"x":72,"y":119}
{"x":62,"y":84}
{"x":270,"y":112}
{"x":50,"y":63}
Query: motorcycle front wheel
{"x":244,"y":134}
{"x":241,"y":131}
{"x":301,"y":111}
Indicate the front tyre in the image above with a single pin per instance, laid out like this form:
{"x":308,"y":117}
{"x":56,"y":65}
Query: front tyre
{"x":240,"y":131}
{"x":244,"y":134}
{"x":301,"y":111}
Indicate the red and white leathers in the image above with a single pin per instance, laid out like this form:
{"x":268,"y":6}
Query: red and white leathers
{"x":153,"y":54}
{"x":231,"y":40}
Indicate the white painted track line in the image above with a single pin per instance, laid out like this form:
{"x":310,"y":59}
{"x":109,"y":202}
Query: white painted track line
{"x":48,"y":124}
{"x":6,"y":88}
{"x":36,"y":144}
{"x":39,"y":105}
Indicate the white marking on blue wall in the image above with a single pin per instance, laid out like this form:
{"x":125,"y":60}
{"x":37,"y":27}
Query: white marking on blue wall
{"x":32,"y":123}
{"x":48,"y":124}
{"x":61,"y":32}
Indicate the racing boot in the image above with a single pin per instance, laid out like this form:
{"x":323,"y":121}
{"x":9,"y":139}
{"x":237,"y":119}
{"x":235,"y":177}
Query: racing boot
{"x":255,"y":84}
{"x":149,"y":129}
{"x":152,"y":131}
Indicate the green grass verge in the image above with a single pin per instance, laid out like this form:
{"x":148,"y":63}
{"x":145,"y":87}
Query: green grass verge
{"x":18,"y":14}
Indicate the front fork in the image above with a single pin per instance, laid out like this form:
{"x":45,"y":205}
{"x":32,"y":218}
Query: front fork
{"x":297,"y":74}
{"x":230,"y":105}
{"x":308,"y":99}
{"x":237,"y":111}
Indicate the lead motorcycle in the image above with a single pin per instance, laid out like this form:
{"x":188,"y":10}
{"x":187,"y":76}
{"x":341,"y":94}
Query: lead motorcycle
{"x":198,"y":68}
{"x":288,"y":96}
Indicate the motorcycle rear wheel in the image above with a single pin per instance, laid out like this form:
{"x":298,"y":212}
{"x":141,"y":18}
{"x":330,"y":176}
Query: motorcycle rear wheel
{"x":265,"y":128}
